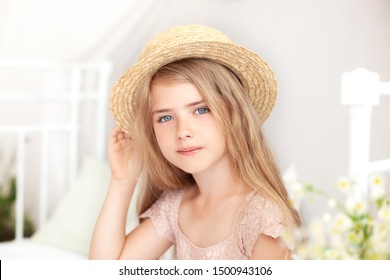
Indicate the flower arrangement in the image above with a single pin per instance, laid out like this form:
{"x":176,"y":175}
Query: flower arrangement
{"x":354,"y":228}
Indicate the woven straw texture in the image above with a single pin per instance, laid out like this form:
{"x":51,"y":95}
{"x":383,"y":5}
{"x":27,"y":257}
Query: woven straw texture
{"x":193,"y":41}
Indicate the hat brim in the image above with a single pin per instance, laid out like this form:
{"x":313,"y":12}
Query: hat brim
{"x":255,"y":74}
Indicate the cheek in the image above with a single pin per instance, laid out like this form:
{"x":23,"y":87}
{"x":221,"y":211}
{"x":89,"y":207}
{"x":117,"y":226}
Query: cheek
{"x":161,"y":137}
{"x":157,"y":134}
{"x":214,"y":131}
{"x":220,"y":140}
{"x":222,"y":144}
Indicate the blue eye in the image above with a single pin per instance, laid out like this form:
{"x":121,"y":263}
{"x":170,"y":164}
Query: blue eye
{"x":202,"y":110}
{"x":164,"y":119}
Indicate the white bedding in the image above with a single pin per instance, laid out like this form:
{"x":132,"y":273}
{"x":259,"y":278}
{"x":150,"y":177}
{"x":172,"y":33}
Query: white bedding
{"x":31,"y":250}
{"x":67,"y":233}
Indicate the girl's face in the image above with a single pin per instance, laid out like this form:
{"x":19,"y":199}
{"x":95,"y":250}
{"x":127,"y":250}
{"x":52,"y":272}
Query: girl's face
{"x":187,"y":132}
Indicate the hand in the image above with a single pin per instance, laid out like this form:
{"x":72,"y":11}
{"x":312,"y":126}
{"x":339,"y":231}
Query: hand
{"x":124,"y":161}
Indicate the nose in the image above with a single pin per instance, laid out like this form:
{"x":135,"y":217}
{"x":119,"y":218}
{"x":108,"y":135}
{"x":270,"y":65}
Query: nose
{"x":183,"y":135}
{"x":184,"y":131}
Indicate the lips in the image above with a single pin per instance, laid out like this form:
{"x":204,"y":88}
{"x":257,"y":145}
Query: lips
{"x":189,"y":151}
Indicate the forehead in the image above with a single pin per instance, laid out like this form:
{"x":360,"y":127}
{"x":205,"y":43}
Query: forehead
{"x":173,"y":95}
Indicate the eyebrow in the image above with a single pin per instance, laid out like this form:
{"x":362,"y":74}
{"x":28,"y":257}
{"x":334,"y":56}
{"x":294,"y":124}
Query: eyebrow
{"x":165,"y":110}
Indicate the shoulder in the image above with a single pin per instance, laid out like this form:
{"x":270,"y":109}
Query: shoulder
{"x":264,"y":214}
{"x":167,"y":202}
{"x":170,"y":195}
{"x":164,"y":212}
{"x":261,"y":216}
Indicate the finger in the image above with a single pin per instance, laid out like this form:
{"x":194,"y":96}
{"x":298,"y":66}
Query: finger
{"x":120,"y":135}
{"x":128,"y":136}
{"x":113,"y":138}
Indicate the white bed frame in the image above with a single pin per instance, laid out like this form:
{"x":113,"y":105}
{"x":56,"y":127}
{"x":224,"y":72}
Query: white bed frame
{"x":361,"y":90}
{"x":74,"y":98}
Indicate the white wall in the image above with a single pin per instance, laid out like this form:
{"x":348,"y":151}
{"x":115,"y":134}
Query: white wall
{"x":308,"y":43}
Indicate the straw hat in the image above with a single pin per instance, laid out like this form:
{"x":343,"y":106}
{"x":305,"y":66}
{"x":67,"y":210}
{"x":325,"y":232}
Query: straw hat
{"x":193,"y":41}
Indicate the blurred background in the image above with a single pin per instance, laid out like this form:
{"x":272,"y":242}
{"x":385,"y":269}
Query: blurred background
{"x":308,"y":43}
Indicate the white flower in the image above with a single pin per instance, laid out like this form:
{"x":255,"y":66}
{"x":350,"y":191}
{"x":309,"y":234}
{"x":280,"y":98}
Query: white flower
{"x":332,"y":203}
{"x":377,"y":188}
{"x":356,"y":206}
{"x":351,"y":229}
{"x":384,"y":213}
{"x":377,"y":192}
{"x":376,"y":180}
{"x":344,"y":184}
{"x":355,"y":237}
{"x":341,"y":224}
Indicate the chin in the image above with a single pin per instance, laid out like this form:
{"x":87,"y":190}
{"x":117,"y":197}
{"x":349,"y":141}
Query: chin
{"x":191,"y":169}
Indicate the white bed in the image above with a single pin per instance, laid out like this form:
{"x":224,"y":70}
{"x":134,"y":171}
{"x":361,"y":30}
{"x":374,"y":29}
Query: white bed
{"x":52,"y":153}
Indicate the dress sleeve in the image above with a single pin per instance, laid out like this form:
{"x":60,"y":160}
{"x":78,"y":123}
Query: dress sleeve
{"x":162,"y":215}
{"x":261,"y":216}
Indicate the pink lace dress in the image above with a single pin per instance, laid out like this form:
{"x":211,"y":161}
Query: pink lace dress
{"x":259,"y":216}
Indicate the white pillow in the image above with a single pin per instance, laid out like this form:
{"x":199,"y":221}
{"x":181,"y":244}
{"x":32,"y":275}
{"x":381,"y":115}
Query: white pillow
{"x":73,"y":220}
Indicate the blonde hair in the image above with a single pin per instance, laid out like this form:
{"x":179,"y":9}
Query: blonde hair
{"x":248,"y":150}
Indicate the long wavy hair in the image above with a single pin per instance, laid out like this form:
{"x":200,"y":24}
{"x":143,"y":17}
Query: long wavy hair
{"x":247,"y":147}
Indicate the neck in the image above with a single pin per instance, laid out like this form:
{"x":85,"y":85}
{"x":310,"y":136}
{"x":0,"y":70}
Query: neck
{"x":219,"y":181}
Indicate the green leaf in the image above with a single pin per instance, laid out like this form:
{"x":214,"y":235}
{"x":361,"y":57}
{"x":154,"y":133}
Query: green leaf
{"x":12,"y":192}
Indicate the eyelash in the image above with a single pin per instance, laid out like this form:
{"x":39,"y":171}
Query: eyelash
{"x":205,"y":108}
{"x":161,"y":119}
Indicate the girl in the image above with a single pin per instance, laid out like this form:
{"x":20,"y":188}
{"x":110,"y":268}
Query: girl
{"x":189,"y":114}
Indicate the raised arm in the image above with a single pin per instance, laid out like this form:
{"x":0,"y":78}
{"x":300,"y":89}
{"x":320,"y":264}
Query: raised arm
{"x":109,"y":240}
{"x":109,"y":235}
